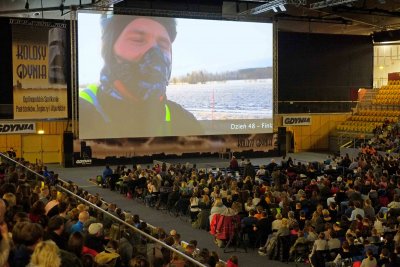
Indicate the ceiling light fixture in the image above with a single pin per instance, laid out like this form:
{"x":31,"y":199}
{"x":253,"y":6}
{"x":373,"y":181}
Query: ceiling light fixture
{"x":272,"y":5}
{"x":329,"y":3}
{"x":27,"y":5}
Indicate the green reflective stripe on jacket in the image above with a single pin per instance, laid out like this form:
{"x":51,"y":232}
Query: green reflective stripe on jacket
{"x":167,"y":113}
{"x":84,"y":95}
{"x":88,"y":93}
{"x":93,"y":88}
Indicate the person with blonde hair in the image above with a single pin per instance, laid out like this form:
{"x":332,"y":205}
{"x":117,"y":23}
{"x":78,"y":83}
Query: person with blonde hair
{"x":217,"y":208}
{"x":279,"y":228}
{"x":78,"y":227}
{"x":11,"y":199}
{"x":46,"y":254}
{"x":215,"y":193}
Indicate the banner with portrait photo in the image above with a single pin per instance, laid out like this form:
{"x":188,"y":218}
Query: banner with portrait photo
{"x":39,"y":69}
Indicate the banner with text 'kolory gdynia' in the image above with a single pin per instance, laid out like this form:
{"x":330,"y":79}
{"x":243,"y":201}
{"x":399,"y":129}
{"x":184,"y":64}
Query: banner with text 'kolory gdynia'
{"x":39,"y":69}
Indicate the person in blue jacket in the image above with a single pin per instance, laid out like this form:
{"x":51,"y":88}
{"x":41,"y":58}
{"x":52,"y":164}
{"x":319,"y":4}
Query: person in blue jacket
{"x":107,"y":172}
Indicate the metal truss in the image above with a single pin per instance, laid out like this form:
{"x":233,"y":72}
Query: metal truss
{"x":274,"y":5}
{"x":329,"y":3}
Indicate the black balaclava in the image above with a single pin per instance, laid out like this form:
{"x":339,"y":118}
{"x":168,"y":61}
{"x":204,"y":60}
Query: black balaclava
{"x":153,"y":71}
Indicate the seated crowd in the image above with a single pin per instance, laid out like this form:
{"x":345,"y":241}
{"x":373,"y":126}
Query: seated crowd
{"x":345,"y":211}
{"x":386,"y":137}
{"x":43,"y":226}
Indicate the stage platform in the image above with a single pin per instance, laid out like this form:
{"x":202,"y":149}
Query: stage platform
{"x":213,"y":163}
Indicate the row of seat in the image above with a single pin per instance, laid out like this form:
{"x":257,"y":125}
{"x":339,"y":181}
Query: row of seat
{"x":372,"y":118}
{"x":390,"y":86}
{"x":388,"y":101}
{"x":388,"y":92}
{"x":387,"y":96}
{"x":361,"y":123}
{"x":358,"y":126}
{"x":393,"y":82}
{"x":366,"y":120}
{"x":374,"y":112}
{"x":355,"y":128}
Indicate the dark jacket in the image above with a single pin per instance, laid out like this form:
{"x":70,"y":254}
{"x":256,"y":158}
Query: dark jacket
{"x":164,"y":118}
{"x":95,"y":243}
{"x":20,"y":256}
{"x":69,"y":259}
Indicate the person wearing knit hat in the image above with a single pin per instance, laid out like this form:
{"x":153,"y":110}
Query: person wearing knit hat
{"x":95,"y":228}
{"x":95,"y":239}
{"x":137,"y":54}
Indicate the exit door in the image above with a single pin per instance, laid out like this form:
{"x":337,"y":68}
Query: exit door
{"x":41,"y":148}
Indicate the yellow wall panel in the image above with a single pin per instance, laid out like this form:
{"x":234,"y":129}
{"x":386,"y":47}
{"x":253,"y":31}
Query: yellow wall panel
{"x":51,"y":127}
{"x":8,"y":141}
{"x":32,"y":147}
{"x":51,"y":148}
{"x":3,"y":143}
{"x":42,"y":148}
{"x":306,"y":130}
{"x":316,"y":135}
{"x":305,"y":143}
{"x":14,"y":141}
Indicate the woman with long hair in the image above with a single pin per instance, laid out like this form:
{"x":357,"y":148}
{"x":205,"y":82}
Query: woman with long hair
{"x":46,"y":254}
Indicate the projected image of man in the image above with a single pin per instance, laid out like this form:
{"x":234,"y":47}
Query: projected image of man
{"x":131,"y":98}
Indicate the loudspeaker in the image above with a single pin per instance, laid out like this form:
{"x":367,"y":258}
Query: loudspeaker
{"x":68,"y":145}
{"x":282,"y":141}
{"x":282,"y":131}
{"x":68,"y":142}
{"x":68,"y":160}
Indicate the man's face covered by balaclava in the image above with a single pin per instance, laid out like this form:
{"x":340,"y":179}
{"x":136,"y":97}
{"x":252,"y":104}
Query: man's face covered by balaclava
{"x":138,"y":64}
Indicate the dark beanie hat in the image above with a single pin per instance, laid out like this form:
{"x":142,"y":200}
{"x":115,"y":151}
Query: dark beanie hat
{"x":112,"y":26}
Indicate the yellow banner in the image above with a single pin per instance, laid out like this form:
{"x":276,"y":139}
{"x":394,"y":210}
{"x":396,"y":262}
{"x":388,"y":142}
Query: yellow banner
{"x":39,"y":72}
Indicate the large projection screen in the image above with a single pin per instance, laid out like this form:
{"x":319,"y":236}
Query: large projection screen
{"x":151,"y":76}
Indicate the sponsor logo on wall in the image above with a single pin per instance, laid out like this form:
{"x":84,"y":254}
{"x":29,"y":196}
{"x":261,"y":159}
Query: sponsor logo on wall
{"x":296,"y":120}
{"x":83,"y":162}
{"x":18,"y":127}
{"x":256,"y":142}
{"x":39,"y":72}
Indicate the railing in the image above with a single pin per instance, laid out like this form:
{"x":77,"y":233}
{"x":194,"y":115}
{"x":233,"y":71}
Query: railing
{"x":61,"y":187}
{"x":316,"y":106}
{"x":345,"y":140}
